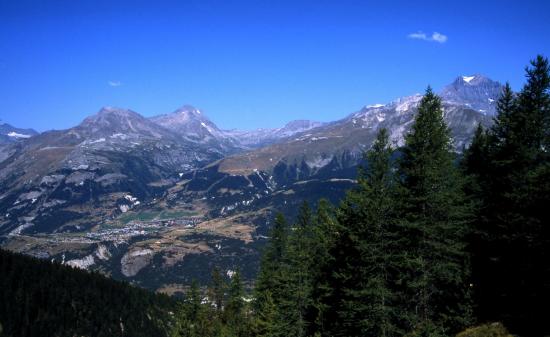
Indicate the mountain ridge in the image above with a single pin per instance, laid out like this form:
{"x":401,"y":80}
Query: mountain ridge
{"x":150,"y":199}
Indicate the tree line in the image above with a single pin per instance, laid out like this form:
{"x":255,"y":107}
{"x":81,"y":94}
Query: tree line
{"x":429,"y":243}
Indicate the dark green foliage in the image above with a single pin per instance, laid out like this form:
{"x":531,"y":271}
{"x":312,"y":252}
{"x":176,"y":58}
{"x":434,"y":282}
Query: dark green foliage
{"x":291,"y":278}
{"x":216,"y":291}
{"x":324,"y":239}
{"x":360,"y":301}
{"x":433,"y":270}
{"x":264,"y":322}
{"x":236,"y":310}
{"x":269,"y":278}
{"x":269,"y":290}
{"x":510,"y":179}
{"x":296,"y":300}
{"x":193,"y":319}
{"x":224,"y":311}
{"x":39,"y":298}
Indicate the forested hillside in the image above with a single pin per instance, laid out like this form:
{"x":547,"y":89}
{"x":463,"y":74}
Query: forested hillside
{"x":39,"y":298}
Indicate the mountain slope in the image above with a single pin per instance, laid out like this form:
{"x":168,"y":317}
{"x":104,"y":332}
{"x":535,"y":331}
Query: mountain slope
{"x":72,"y":179}
{"x":10,"y":134}
{"x":39,"y":298}
{"x":352,"y":135}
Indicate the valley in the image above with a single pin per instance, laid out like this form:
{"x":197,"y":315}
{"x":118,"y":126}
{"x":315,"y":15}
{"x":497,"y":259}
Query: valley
{"x":157,"y":201}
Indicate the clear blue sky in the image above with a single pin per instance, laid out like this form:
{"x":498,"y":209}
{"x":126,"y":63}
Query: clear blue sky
{"x":251,"y":64}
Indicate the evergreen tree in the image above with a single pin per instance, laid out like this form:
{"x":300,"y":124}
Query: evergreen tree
{"x":193,"y":317}
{"x":512,"y":233}
{"x":235,"y":311}
{"x":296,"y":301}
{"x":432,"y":265}
{"x":324,"y":239}
{"x":360,"y":304}
{"x":269,"y":277}
{"x":269,"y":289}
{"x":475,"y":164}
{"x":216,"y":292}
{"x":265,"y":317}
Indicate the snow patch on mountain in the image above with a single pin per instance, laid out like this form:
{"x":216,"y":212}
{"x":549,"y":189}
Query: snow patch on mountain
{"x":83,"y":263}
{"x":319,"y":162}
{"x":405,"y":104}
{"x":18,"y":135}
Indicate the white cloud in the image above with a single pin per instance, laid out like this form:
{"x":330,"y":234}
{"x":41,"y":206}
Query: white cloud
{"x":115,"y":83}
{"x":438,"y":37}
{"x":419,"y":36}
{"x":435,"y":37}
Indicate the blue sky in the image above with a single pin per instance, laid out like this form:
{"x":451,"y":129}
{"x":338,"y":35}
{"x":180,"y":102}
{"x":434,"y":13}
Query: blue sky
{"x":251,"y":64}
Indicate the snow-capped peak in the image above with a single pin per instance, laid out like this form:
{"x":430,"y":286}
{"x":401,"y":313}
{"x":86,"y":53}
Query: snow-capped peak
{"x":378,"y":105}
{"x":468,"y":79}
{"x":18,"y":135}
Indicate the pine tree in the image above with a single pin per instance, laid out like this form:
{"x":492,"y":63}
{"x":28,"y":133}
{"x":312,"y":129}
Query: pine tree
{"x":433,"y":264}
{"x":269,"y":277}
{"x":216,"y":292}
{"x":192,"y":319}
{"x":269,"y":288}
{"x":475,"y":162}
{"x":360,"y":304}
{"x":296,"y":301}
{"x":235,"y":310}
{"x":265,"y":318}
{"x":324,"y":239}
{"x":511,"y":229}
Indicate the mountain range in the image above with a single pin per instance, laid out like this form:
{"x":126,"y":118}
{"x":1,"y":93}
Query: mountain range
{"x":156,"y":200}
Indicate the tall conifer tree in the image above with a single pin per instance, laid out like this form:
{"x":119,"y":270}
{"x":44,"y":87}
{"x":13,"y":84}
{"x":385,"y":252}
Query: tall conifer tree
{"x":296,"y":300}
{"x":270,"y":284}
{"x":433,"y":265}
{"x":512,"y":227}
{"x":360,"y":304}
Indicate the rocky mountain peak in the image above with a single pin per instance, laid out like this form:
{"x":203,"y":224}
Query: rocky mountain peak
{"x":181,"y":117}
{"x":187,"y":109}
{"x":475,"y":91}
{"x":110,"y":120}
{"x":110,"y":109}
{"x":9,"y":133}
{"x":476,"y":79}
